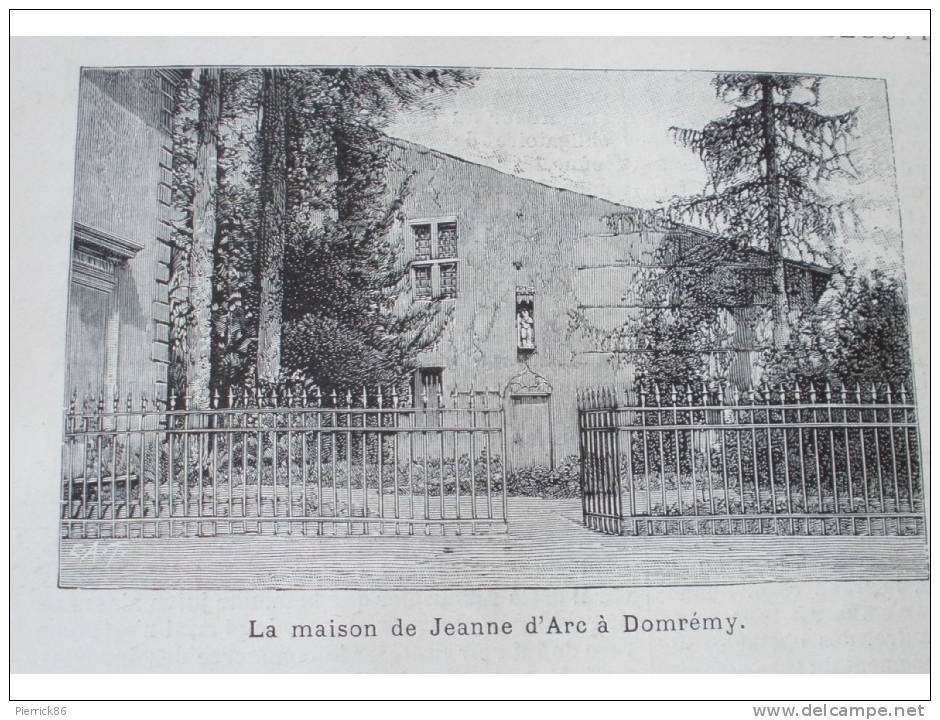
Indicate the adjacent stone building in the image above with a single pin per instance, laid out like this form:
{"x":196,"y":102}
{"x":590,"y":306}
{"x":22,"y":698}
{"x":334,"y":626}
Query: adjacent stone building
{"x":118,"y":314}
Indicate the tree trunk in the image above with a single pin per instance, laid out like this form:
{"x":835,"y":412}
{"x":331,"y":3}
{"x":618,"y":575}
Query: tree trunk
{"x":201,"y":256}
{"x":345,"y":201}
{"x":273,"y":223}
{"x":779,"y":301}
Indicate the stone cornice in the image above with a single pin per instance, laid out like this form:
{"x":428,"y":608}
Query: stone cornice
{"x":103,"y":243}
{"x":93,"y":270}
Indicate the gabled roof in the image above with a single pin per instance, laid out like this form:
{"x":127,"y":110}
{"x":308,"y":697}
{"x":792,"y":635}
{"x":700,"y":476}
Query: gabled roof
{"x":409,"y":145}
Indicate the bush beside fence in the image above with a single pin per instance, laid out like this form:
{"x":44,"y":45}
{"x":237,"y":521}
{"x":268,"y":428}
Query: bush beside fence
{"x":797,"y":461}
{"x":158,"y":470}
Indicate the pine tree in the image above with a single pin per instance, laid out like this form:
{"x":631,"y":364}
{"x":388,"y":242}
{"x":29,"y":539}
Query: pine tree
{"x":767,"y":164}
{"x":344,"y":324}
{"x":305,"y":252}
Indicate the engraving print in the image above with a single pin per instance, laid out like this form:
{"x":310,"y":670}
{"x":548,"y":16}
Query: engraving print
{"x":433,"y":328}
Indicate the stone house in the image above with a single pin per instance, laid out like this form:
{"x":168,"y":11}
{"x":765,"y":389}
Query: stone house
{"x":517,"y":260}
{"x":520,"y":262}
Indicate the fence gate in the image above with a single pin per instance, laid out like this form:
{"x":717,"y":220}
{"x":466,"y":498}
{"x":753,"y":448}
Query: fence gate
{"x":285,"y":463}
{"x":601,"y":491}
{"x":790,"y":462}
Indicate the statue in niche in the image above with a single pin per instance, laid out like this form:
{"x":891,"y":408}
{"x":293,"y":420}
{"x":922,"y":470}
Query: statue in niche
{"x":525,"y":325}
{"x":525,"y":319}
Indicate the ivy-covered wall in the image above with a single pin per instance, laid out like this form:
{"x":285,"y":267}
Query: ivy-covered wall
{"x":516,"y":233}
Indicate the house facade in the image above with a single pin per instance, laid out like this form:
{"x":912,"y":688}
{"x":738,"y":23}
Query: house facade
{"x":118,"y":312}
{"x":524,"y":267}
{"x":538,"y":277}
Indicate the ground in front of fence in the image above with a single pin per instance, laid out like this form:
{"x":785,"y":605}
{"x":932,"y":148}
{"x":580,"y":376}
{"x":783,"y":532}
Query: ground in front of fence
{"x":547,"y":547}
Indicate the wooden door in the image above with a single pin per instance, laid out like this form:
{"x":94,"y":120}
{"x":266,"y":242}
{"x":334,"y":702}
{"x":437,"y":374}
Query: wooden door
{"x":530,"y":431}
{"x":87,"y":342}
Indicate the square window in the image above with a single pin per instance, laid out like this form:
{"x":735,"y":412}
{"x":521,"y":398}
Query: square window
{"x":428,"y":395}
{"x":449,"y":280}
{"x":434,"y":266}
{"x":167,"y":92}
{"x":422,"y":283}
{"x":422,"y":235}
{"x":447,"y":240}
{"x":432,"y":380}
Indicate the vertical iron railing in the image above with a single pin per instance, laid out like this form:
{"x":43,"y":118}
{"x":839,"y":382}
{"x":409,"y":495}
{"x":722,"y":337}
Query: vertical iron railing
{"x":712,"y":460}
{"x":292,"y":462}
{"x":601,"y":485}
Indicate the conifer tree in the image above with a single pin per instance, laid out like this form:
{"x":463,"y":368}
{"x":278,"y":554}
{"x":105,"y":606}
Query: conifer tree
{"x":345,"y":323}
{"x":767,"y":164}
{"x":306,"y":277}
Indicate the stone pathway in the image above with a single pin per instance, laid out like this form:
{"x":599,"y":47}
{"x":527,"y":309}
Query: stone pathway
{"x":547,"y":547}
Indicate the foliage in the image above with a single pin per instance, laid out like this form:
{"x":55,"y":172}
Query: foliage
{"x":680,"y":333}
{"x":681,"y":330}
{"x":768,"y":163}
{"x":235,"y":297}
{"x":680,"y":346}
{"x":562,"y":481}
{"x":181,"y":230}
{"x":872,"y":335}
{"x":811,"y":148}
{"x":344,"y":323}
{"x":857,"y":334}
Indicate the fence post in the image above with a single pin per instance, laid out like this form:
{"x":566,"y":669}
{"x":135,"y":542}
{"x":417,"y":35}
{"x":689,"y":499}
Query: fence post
{"x":629,"y":461}
{"x":782,"y":429}
{"x":502,"y":434}
{"x":614,"y":446}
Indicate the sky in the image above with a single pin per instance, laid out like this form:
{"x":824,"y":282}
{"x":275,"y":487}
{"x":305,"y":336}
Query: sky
{"x":607,"y":133}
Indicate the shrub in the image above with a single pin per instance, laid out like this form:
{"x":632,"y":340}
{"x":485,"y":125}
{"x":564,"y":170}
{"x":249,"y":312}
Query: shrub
{"x":858,"y":333}
{"x":564,"y":481}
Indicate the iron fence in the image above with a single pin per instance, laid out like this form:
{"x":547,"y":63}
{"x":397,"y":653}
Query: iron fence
{"x":309,"y":464}
{"x":711,"y":460}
